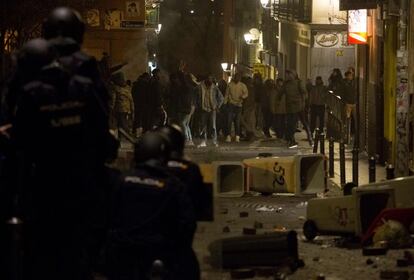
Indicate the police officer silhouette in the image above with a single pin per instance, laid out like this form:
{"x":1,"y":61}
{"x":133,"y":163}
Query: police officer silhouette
{"x":153,"y":218}
{"x":189,"y":173}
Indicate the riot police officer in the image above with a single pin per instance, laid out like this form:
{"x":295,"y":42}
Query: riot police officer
{"x":153,"y":218}
{"x":64,"y":29}
{"x":189,"y":173}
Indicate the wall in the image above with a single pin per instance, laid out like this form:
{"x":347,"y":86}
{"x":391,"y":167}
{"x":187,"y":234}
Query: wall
{"x":122,"y":44}
{"x":327,"y":12}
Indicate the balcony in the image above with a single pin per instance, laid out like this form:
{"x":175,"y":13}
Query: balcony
{"x":293,"y":10}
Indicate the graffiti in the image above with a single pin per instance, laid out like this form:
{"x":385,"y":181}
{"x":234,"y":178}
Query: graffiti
{"x":341,"y":216}
{"x":279,"y":172}
{"x":402,"y":110}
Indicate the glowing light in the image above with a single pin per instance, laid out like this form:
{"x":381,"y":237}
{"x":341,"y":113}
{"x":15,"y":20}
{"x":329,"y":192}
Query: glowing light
{"x":357,"y":27}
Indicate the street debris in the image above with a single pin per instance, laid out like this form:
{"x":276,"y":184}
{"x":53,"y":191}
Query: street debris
{"x":409,"y":257}
{"x":224,"y":211}
{"x":372,"y":251}
{"x":244,"y":214}
{"x":258,"y":225}
{"x":394,"y":233}
{"x":402,"y":263}
{"x":320,"y":277}
{"x":226,"y":229}
{"x":302,"y":205}
{"x":249,"y":231}
{"x":369,"y":262}
{"x":396,"y":275}
{"x":279,"y":229}
{"x":242,"y":274}
{"x":267,"y":209}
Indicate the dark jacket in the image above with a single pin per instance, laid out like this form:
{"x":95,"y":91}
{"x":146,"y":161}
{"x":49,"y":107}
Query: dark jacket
{"x":350,"y":96}
{"x":318,"y":95}
{"x":295,"y":93}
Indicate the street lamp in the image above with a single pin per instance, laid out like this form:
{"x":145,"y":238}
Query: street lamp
{"x":248,"y":38}
{"x":265,"y":4}
{"x":158,"y":29}
{"x":224,"y":66}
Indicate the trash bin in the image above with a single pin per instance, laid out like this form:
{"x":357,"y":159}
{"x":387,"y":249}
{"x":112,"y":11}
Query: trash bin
{"x":352,"y":214}
{"x":300,"y":174}
{"x":404,"y":190}
{"x":228,"y":179}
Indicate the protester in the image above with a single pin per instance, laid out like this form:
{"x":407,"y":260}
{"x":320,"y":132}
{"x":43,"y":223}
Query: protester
{"x":210,"y":100}
{"x":248,"y":117}
{"x":140,"y":89}
{"x":269,"y":90}
{"x":317,"y":100}
{"x":294,"y":91}
{"x":277,"y":102}
{"x":235,"y":94}
{"x":350,"y":99}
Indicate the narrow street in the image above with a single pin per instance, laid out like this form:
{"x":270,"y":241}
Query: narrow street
{"x":323,"y":256}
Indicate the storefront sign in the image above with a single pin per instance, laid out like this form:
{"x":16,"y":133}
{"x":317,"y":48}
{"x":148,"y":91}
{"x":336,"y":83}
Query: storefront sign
{"x":327,"y":40}
{"x":357,"y":4}
{"x":259,"y":68}
{"x":331,"y":39}
{"x":357,"y":27}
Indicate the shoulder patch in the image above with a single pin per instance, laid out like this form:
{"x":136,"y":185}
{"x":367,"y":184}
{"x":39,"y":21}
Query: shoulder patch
{"x":145,"y":181}
{"x":177,"y":164}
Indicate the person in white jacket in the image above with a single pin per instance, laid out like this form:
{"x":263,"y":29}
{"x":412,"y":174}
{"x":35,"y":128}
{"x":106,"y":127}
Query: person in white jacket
{"x":235,"y":94}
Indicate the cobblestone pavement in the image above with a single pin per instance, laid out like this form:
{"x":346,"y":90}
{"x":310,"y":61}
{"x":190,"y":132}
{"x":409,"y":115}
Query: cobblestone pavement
{"x":320,"y":256}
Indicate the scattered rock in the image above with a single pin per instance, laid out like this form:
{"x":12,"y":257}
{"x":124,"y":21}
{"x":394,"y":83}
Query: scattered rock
{"x":396,"y":275}
{"x":280,"y":276}
{"x":370,"y":251}
{"x":301,"y":218}
{"x":242,"y":274}
{"x":224,"y":211}
{"x":409,"y":257}
{"x":402,"y":263}
{"x":320,"y":277}
{"x":226,"y":229}
{"x":375,"y":266}
{"x":316,"y":259}
{"x":258,"y":225}
{"x":244,"y":214}
{"x":279,"y":229}
{"x":266,"y":209}
{"x":265,"y":271}
{"x":249,"y":231}
{"x":369,"y":262}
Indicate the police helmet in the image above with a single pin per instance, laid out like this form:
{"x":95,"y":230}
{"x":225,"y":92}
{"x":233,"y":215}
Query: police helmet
{"x":64,"y":22}
{"x":33,"y":56}
{"x":152,"y":146}
{"x":175,"y":137}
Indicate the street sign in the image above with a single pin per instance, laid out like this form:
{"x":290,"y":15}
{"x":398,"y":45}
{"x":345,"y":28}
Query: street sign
{"x":357,"y":4}
{"x":357,"y":27}
{"x":132,"y":24}
{"x":259,"y":68}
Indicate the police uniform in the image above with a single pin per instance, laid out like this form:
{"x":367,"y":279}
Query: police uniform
{"x":152,"y":219}
{"x":56,"y":130}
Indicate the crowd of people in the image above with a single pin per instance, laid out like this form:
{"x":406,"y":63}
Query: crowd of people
{"x":79,"y":215}
{"x":65,"y":213}
{"x":245,"y":109}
